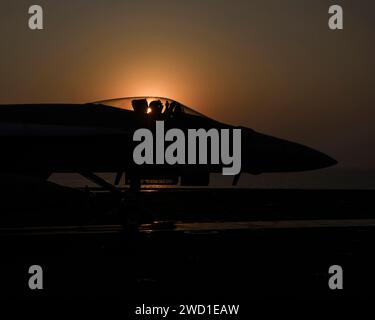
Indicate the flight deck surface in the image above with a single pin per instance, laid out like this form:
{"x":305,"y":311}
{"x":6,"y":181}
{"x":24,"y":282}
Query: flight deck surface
{"x":271,"y":246}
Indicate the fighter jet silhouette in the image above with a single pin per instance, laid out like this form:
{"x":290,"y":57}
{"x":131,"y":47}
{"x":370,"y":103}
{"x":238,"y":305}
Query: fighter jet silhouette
{"x":41,"y":139}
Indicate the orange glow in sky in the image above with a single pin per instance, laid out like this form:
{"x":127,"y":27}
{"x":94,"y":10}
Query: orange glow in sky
{"x":292,"y":79}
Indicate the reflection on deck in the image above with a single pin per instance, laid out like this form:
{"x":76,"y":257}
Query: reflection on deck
{"x":200,"y":227}
{"x":192,"y":243}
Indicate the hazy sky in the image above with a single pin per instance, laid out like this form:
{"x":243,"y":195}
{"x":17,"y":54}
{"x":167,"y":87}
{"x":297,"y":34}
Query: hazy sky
{"x":268,"y":64}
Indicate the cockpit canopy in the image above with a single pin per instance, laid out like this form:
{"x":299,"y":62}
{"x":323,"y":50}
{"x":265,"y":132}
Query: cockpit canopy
{"x":150,"y":105}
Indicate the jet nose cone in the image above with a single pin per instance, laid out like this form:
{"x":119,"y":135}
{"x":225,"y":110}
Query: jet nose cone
{"x":306,"y":158}
{"x":269,"y":154}
{"x":319,"y":160}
